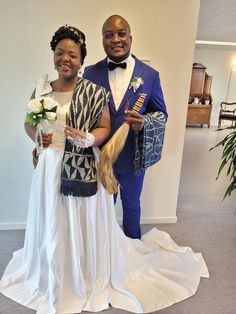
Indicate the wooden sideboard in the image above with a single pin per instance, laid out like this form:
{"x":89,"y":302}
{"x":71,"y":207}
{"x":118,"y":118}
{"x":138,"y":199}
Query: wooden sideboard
{"x":199,"y":114}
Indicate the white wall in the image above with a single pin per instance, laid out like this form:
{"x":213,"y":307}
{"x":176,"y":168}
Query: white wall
{"x":219,"y":61}
{"x":163,"y":31}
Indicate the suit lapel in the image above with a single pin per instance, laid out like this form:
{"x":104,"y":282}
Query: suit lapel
{"x":105,"y":82}
{"x":104,"y":75}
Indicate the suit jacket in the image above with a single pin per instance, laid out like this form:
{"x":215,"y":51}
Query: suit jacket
{"x":153,"y":101}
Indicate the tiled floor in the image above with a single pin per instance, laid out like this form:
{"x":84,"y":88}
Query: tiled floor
{"x":200,"y":166}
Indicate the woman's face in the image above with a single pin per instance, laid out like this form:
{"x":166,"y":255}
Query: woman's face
{"x":67,"y":58}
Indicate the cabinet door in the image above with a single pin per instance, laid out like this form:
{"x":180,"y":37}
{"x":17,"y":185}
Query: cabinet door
{"x":199,"y":114}
{"x":207,"y":84}
{"x":197,"y":81}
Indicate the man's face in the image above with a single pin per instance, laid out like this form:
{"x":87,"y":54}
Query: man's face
{"x":116,"y":39}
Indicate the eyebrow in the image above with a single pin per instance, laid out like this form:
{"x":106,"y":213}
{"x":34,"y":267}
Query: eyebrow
{"x":119,"y":30}
{"x":70,"y":51}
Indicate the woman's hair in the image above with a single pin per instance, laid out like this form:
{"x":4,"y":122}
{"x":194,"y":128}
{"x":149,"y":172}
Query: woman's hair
{"x":72,"y":33}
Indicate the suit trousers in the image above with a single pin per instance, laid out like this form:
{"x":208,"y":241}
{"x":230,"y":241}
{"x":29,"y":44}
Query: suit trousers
{"x":130,"y":192}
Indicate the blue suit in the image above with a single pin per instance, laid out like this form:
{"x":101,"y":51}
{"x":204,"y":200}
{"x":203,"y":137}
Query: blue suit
{"x":131,"y":184}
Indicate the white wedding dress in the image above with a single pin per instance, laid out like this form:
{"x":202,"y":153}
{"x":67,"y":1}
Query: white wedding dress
{"x":76,"y":257}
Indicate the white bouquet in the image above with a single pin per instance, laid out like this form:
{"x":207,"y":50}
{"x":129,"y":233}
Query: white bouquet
{"x":42,"y":111}
{"x":43,"y":108}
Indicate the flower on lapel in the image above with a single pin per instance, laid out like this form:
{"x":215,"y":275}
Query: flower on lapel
{"x":136,"y":82}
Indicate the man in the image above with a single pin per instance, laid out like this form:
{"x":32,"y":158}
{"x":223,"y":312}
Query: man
{"x":131,"y":82}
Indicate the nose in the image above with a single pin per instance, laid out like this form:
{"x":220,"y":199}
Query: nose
{"x":65,"y":57}
{"x":116,"y":37}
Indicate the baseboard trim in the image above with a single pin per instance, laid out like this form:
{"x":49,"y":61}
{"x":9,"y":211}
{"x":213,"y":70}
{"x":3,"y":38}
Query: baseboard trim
{"x":12,"y":226}
{"x":145,"y":221}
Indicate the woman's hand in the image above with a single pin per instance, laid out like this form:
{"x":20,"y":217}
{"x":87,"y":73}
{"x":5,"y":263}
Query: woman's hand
{"x":79,"y":138}
{"x":135,"y":119}
{"x":46,"y":139}
{"x":99,"y":134}
{"x":74,"y":133}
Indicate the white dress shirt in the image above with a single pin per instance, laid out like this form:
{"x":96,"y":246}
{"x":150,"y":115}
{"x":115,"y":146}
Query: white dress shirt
{"x":119,"y":80}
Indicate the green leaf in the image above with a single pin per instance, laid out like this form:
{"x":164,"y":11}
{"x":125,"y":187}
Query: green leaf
{"x":228,"y":157}
{"x":27,"y":118}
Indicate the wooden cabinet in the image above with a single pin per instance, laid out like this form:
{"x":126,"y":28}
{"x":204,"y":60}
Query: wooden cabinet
{"x":199,"y":114}
{"x":200,"y":88}
{"x":200,"y":84}
{"x":198,"y":79}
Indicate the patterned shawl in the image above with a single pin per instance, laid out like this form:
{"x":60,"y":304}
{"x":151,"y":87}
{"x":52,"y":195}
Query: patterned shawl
{"x":148,"y":144}
{"x":79,"y":173}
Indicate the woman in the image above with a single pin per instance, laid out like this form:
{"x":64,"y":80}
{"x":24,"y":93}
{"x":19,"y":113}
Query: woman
{"x":75,"y":256}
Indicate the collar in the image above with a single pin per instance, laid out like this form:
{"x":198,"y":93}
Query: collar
{"x":43,"y":86}
{"x":128,"y":60}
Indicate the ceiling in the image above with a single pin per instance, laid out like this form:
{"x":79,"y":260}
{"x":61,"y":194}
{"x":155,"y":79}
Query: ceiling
{"x":217,"y":21}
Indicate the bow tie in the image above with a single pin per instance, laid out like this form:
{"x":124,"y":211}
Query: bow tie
{"x":112,"y":65}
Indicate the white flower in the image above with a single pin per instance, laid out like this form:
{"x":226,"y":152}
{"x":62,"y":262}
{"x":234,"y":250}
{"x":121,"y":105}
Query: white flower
{"x":41,"y":108}
{"x":51,"y":115}
{"x":49,"y":103}
{"x":136,"y":82}
{"x":34,"y":105}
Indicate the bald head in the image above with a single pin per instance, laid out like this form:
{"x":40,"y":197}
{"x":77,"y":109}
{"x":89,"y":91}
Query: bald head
{"x":116,"y":19}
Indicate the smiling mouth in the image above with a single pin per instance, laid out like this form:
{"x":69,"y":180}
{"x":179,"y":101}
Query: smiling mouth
{"x":116,"y":48}
{"x":65,"y":65}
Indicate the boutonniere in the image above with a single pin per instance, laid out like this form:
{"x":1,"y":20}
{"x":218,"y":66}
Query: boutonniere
{"x":136,"y":82}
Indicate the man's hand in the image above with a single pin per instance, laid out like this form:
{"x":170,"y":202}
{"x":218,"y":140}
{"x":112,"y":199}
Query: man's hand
{"x":135,"y":119}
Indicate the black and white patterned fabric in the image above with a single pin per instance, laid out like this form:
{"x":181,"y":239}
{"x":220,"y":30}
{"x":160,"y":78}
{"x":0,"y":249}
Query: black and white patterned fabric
{"x":148,"y":143}
{"x":79,"y":173}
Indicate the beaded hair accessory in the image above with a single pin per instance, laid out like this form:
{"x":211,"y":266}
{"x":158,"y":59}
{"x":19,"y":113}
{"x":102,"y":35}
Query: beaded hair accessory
{"x":63,"y":31}
{"x":75,"y":32}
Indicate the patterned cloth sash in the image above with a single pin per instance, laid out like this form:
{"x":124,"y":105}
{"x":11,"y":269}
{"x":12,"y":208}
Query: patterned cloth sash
{"x":79,"y":173}
{"x":148,"y":144}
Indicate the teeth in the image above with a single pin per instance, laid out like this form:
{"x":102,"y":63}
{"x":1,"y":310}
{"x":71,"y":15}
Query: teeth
{"x":65,"y":65}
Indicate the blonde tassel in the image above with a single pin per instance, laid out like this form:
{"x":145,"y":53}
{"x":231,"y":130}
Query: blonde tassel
{"x":108,"y":156}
